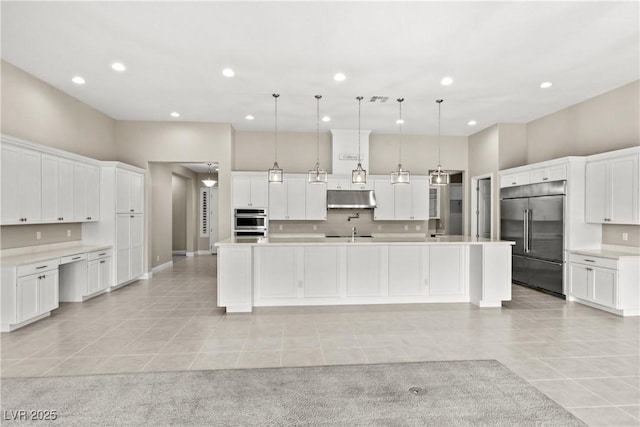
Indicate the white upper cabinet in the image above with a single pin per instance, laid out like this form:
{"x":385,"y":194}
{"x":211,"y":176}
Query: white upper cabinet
{"x":287,"y":199}
{"x":434,"y":202}
{"x":129,"y":191}
{"x":548,"y":173}
{"x":513,"y":179}
{"x":86,"y":192}
{"x":316,"y":202}
{"x":613,"y":188}
{"x":57,"y":189}
{"x":341,"y":182}
{"x":21,"y":186}
{"x":250,"y":190}
{"x":404,"y":202}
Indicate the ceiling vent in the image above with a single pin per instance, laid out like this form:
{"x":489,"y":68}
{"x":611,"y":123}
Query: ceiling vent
{"x":379,"y":99}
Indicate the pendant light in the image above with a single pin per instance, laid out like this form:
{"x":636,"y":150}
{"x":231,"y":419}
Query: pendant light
{"x":209,"y":182}
{"x":275,"y":173}
{"x":439,"y":176}
{"x":400,"y":176}
{"x":318,"y":175}
{"x":359,"y":175}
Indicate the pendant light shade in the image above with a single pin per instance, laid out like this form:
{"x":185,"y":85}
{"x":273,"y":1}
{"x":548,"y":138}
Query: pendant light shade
{"x":275,"y":173}
{"x":400,"y":176}
{"x":209,"y":182}
{"x":317,"y":175}
{"x":439,"y":176}
{"x":359,"y":175}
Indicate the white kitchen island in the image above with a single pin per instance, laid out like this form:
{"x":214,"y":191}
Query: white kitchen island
{"x":339,"y":271}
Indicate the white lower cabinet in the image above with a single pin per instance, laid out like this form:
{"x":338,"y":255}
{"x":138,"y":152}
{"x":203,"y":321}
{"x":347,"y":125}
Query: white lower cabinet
{"x":446,"y":271}
{"x":98,"y":272}
{"x":278,"y":272}
{"x":363,"y":277}
{"x":407,"y":274}
{"x":235,"y":272}
{"x":321,"y":271}
{"x":129,"y":247}
{"x":29,"y":292}
{"x":611,"y":284}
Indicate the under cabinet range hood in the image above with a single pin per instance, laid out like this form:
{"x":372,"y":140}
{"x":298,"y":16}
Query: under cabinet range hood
{"x":351,"y":199}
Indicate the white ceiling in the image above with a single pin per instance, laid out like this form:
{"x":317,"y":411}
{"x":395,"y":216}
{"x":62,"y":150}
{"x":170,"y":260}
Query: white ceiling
{"x":201,"y":167}
{"x":498,"y":53}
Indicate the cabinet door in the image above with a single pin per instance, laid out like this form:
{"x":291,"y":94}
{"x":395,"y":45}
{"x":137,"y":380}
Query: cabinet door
{"x":105,"y":273}
{"x":30,"y":182}
{"x":405,"y":270}
{"x":316,"y":202}
{"x":65,"y":195}
{"x":123,"y":249}
{"x":446,"y":270}
{"x":580,"y":281}
{"x":604,"y":286}
{"x":385,"y":200}
{"x":419,"y":200}
{"x":338,"y":183}
{"x":137,"y":245}
{"x":48,"y":291}
{"x":80,"y":191}
{"x":259,"y":193}
{"x":136,"y":193}
{"x":363,"y":277}
{"x":434,"y":203}
{"x":27,"y":297}
{"x":93,"y":193}
{"x":624,"y":191}
{"x":123,"y":193}
{"x":277,"y":201}
{"x":320,"y":271}
{"x":402,"y":201}
{"x":596,"y":184}
{"x":10,"y":190}
{"x":241,"y":191}
{"x":369,"y":185}
{"x":296,"y":198}
{"x":278,"y":272}
{"x":50,"y":188}
{"x":93,"y":277}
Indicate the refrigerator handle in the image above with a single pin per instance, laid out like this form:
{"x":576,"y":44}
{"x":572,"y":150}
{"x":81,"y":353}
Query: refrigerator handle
{"x":525,"y":231}
{"x":529,"y":218}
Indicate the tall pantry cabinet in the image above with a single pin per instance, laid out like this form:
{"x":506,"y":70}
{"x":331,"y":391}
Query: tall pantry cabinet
{"x":122,"y":220}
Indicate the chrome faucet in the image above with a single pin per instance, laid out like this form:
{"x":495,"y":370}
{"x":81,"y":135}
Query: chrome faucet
{"x":353,"y":234}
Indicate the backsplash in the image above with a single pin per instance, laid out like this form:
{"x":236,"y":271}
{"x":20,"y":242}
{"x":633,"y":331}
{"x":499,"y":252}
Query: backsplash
{"x":338,"y":224}
{"x":17,"y":236}
{"x":612,"y":235}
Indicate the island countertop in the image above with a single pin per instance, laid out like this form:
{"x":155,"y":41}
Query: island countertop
{"x":362,"y":240}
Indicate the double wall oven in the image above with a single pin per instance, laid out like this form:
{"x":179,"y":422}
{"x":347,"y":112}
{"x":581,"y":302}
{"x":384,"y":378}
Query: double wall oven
{"x":250,"y":224}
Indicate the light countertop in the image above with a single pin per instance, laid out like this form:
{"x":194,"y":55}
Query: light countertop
{"x":359,"y":240}
{"x":34,"y":254}
{"x":610,"y":251}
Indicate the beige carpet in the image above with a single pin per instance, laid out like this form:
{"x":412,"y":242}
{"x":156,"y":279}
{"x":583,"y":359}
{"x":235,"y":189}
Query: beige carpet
{"x":458,"y":393}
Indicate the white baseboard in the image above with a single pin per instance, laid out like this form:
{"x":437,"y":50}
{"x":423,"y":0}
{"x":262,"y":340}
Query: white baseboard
{"x":146,"y":276}
{"x":203,"y":252}
{"x":161,"y":267}
{"x":179,"y":252}
{"x":190,"y":254}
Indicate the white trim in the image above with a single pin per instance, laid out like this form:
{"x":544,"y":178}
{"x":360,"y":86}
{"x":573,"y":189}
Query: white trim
{"x":161,"y":267}
{"x":189,"y":253}
{"x":146,"y":276}
{"x":203,"y":252}
{"x":474,"y":203}
{"x":179,"y":252}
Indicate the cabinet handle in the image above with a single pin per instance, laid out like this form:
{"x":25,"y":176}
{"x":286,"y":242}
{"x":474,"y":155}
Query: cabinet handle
{"x":88,"y":217}
{"x":513,"y":183}
{"x":130,"y":210}
{"x":102,"y":262}
{"x":590,"y":260}
{"x":76,"y":257}
{"x":41,"y":267}
{"x":545,"y":179}
{"x":589,"y":269}
{"x":131,"y":216}
{"x":102,"y":254}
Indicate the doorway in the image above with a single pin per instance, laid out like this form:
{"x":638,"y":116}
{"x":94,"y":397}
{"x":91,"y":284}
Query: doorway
{"x":178,"y":216}
{"x":481,"y":206}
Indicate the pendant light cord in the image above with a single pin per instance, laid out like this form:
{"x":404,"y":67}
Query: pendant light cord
{"x":400,"y":132}
{"x":439,"y":101}
{"x":359,"y":98}
{"x":318,"y":129}
{"x":275,"y":97}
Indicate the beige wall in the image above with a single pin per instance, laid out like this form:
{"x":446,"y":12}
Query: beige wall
{"x":17,"y":236}
{"x":512,"y":145}
{"x":484,"y":159}
{"x":607,"y":122}
{"x":38,"y":112}
{"x":179,"y":213}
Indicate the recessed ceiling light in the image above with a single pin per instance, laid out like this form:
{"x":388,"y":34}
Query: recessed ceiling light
{"x":249,"y":117}
{"x":78,"y":80}
{"x":326,"y":119}
{"x":446,"y":81}
{"x":472,"y":123}
{"x":228,"y":72}
{"x":175,"y":114}
{"x":118,"y":66}
{"x":399,"y":121}
{"x":339,"y":77}
{"x":546,"y":85}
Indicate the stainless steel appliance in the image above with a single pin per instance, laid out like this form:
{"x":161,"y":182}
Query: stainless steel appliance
{"x":533,"y":217}
{"x":250,"y":223}
{"x":351,"y":199}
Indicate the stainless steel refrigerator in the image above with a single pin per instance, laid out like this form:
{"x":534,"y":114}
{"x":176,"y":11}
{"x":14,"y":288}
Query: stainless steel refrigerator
{"x":533,"y":217}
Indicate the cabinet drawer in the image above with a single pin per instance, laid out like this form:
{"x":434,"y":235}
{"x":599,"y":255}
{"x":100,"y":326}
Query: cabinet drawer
{"x":99,"y":254}
{"x":594,"y":261}
{"x":37,"y":267}
{"x":72,"y":258}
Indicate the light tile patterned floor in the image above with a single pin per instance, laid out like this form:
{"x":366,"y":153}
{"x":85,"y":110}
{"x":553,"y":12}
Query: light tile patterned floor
{"x":585,"y":359}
